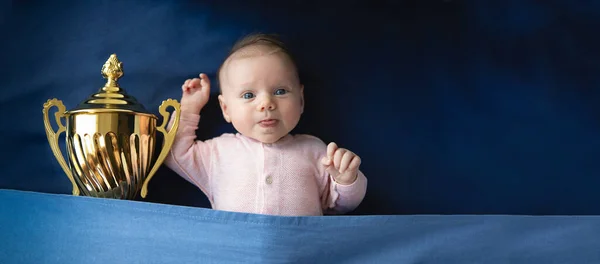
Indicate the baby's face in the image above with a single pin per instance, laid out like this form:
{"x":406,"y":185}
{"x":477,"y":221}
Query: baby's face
{"x":261,"y":96}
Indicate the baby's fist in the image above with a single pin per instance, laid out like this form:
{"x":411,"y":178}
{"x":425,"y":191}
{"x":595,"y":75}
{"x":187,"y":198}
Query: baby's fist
{"x":195,"y":93}
{"x":341,"y":164}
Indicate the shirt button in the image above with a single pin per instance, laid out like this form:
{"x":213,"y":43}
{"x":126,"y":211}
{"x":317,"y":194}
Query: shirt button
{"x":269,"y":179}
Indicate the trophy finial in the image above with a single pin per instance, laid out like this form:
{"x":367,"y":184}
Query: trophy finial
{"x":111,"y":95}
{"x":112,"y":70}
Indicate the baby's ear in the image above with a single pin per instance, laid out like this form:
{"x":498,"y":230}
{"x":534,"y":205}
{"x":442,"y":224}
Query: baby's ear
{"x":301,"y":99}
{"x":224,"y":108}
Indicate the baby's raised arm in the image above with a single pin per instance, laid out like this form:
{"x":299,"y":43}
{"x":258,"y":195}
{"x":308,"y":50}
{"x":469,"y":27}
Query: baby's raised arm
{"x":190,"y":158}
{"x":343,"y":186}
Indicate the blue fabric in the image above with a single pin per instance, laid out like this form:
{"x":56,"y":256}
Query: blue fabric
{"x":456,"y":107}
{"x":50,"y":228}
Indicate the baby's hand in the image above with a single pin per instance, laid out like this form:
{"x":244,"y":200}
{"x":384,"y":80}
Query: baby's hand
{"x":341,"y":164}
{"x":195,"y":94}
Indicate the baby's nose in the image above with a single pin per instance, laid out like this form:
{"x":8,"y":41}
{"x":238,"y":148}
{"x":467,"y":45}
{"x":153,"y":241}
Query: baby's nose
{"x":266,"y":104}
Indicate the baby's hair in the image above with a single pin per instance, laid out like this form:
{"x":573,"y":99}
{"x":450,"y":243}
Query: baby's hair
{"x":271,"y":41}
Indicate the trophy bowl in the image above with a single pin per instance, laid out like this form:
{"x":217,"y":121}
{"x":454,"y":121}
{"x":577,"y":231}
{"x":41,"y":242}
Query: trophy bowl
{"x":110,"y":139}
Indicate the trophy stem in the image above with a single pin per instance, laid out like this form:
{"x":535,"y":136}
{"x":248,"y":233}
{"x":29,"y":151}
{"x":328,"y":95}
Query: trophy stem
{"x":111,"y":83}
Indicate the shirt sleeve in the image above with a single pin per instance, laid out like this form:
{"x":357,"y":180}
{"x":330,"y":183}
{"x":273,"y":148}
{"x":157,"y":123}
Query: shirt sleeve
{"x":345,"y":198}
{"x":191,"y":158}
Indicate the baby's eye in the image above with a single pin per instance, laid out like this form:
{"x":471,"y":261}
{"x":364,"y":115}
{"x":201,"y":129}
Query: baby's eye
{"x":280,"y":92}
{"x":248,"y":95}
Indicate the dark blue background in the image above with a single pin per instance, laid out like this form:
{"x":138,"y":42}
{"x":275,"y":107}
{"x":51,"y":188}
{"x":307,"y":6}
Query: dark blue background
{"x":456,"y":107}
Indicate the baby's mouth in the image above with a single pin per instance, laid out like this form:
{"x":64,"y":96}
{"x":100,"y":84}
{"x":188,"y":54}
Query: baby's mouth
{"x":268,"y":122}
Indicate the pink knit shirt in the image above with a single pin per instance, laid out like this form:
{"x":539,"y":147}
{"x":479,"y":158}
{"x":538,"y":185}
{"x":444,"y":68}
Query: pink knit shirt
{"x":241,"y":174}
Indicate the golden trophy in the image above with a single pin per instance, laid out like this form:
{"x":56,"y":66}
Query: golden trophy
{"x":110,"y":139}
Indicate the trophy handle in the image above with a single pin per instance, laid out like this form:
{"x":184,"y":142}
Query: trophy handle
{"x":53,"y":136}
{"x":169,"y":137}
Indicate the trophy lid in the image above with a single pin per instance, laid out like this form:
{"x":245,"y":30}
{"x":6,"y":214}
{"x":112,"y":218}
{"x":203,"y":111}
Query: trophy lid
{"x":111,"y":96}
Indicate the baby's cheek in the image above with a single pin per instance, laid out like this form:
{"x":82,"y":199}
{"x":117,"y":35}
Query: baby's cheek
{"x":292,"y":114}
{"x":244,"y":121}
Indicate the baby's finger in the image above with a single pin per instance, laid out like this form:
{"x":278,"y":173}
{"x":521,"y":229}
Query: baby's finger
{"x":195,"y":83}
{"x":203,"y":77}
{"x":326,"y":161}
{"x":346,"y":159}
{"x":331,"y":149}
{"x":205,"y":82}
{"x":332,"y":171}
{"x":185,"y":87}
{"x":337,"y":158}
{"x":355,"y":163}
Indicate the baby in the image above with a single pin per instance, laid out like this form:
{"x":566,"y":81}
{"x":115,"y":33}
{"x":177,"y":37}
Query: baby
{"x":263,"y":169}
